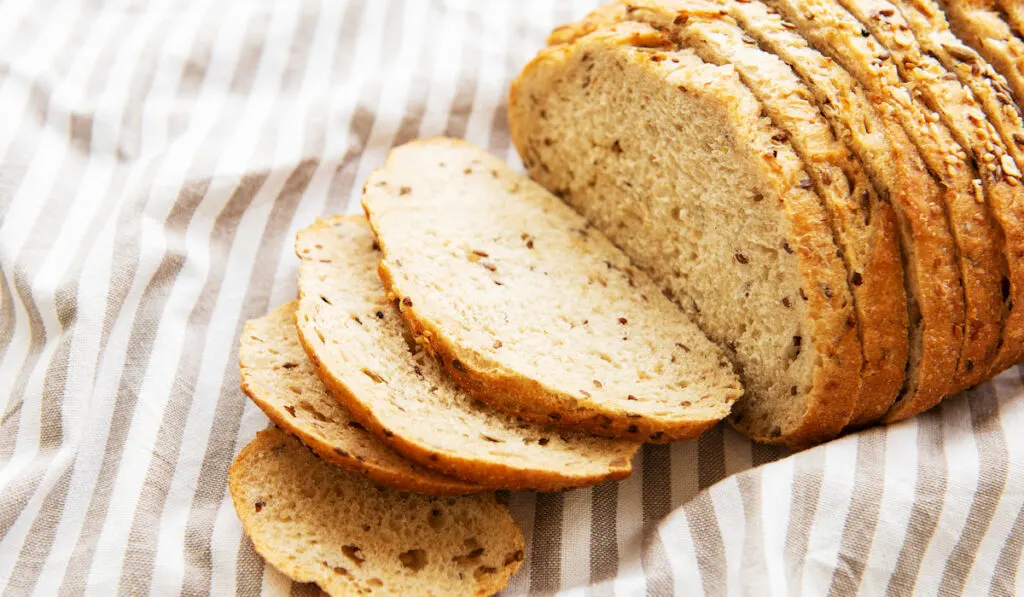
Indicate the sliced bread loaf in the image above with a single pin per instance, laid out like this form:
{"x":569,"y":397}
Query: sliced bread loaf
{"x":672,"y":159}
{"x":934,"y":293}
{"x":278,"y":376}
{"x":979,"y":23}
{"x":864,"y":227}
{"x":315,"y":522}
{"x":836,"y":33}
{"x":969,"y":126}
{"x":360,"y":348}
{"x":530,"y":308}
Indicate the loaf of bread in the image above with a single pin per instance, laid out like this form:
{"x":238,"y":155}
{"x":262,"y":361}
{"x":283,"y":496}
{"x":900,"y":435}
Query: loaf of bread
{"x":981,"y":25}
{"x":356,"y":340}
{"x":279,"y":378}
{"x":315,"y":522}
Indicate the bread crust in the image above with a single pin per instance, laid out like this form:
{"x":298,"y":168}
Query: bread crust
{"x":466,"y":466}
{"x":348,"y":456}
{"x":979,"y":24}
{"x":993,"y":93}
{"x":832,"y":320}
{"x":966,"y":121}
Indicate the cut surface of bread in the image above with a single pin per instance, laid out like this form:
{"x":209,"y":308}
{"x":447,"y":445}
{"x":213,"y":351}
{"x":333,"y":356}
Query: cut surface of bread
{"x":671,"y":158}
{"x":1000,"y":188}
{"x":979,"y":23}
{"x":864,"y":226}
{"x":1013,"y":10}
{"x":362,"y":352}
{"x":315,"y":522}
{"x":530,"y":307}
{"x":934,"y":293}
{"x":278,"y":376}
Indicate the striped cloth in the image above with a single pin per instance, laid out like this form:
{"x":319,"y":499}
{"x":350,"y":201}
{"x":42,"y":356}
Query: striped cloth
{"x":158,"y":157}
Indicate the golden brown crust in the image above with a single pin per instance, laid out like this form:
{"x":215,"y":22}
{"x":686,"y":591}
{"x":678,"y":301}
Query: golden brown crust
{"x":978,"y":23}
{"x":836,"y":340}
{"x":378,"y":464}
{"x":462,"y":465}
{"x":969,"y":126}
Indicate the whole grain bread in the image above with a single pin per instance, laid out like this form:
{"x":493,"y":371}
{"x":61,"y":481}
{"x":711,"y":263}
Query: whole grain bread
{"x":530,"y":308}
{"x":864,"y":227}
{"x":991,"y":90}
{"x":278,"y":376}
{"x":979,"y":23}
{"x":935,"y":301}
{"x":315,"y":522}
{"x":362,"y":352}
{"x":968,"y":124}
{"x":672,"y":159}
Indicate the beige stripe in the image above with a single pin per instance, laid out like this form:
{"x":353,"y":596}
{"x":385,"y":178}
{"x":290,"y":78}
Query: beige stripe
{"x":546,"y":561}
{"x":6,"y":317}
{"x":249,"y":569}
{"x":862,"y":518}
{"x":604,"y":543}
{"x":41,"y":536}
{"x":711,"y":457}
{"x":993,"y":471}
{"x":929,"y":496}
{"x":808,"y":476}
{"x":657,"y":504}
{"x":707,"y":544}
{"x":1004,"y":576}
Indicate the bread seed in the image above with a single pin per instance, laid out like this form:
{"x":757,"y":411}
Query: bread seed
{"x":404,"y":191}
{"x":742,"y":258}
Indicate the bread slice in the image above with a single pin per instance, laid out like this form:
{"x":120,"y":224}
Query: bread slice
{"x":359,"y":346}
{"x":864,"y":227}
{"x":979,"y":23}
{"x":837,"y":34}
{"x":530,"y":308}
{"x":993,"y":94}
{"x":934,"y":293}
{"x":315,"y":522}
{"x":969,"y":126}
{"x":278,"y":376}
{"x":670,"y":157}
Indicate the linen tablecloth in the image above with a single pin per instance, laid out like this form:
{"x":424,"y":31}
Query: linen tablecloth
{"x":156,"y":160}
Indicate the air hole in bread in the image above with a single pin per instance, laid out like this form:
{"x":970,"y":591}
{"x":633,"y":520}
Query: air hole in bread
{"x":414,"y":559}
{"x":352,"y":552}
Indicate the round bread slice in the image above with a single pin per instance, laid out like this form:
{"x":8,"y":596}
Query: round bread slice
{"x":360,"y":348}
{"x":278,"y":376}
{"x":673,"y":159}
{"x":315,"y":522}
{"x":979,"y":23}
{"x":531,"y":308}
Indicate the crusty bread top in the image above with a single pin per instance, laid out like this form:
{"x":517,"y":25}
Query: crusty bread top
{"x":530,"y":306}
{"x":979,"y":23}
{"x":277,"y":375}
{"x":315,"y":522}
{"x":362,"y":352}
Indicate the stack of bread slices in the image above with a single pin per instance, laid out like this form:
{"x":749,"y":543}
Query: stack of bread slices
{"x":805,"y":216}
